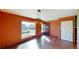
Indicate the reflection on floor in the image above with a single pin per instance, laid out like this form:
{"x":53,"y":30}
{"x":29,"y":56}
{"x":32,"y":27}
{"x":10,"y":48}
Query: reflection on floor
{"x":46,"y":42}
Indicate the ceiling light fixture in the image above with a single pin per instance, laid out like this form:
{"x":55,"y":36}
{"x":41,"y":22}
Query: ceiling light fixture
{"x":38,"y":14}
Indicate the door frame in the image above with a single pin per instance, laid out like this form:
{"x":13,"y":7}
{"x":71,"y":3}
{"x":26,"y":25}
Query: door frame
{"x":72,"y":29}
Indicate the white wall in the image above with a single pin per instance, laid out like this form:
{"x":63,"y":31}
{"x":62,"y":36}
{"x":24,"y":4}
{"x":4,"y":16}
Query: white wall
{"x":78,"y":29}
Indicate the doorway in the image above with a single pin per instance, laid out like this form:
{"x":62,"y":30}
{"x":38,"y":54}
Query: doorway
{"x":67,"y":30}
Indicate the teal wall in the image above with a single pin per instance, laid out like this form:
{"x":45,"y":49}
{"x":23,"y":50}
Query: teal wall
{"x":75,"y":21}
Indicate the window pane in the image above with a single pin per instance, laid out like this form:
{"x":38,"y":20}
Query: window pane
{"x":28,"y":29}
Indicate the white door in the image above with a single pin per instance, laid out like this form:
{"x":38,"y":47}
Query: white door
{"x":67,"y":30}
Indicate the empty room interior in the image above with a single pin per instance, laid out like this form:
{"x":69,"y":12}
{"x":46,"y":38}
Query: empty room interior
{"x":39,"y":29}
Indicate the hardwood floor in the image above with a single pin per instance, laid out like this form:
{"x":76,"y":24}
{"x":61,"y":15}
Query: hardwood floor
{"x":45,"y":42}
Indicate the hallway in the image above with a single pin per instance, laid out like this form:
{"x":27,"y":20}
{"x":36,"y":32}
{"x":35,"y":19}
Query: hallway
{"x":45,"y":42}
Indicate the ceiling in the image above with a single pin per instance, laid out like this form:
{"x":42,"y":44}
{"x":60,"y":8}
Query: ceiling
{"x":46,"y":14}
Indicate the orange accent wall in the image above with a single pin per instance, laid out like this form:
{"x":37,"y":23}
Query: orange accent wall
{"x":0,"y":31}
{"x":11,"y":31}
{"x":38,"y":29}
{"x":55,"y":28}
{"x":10,"y":28}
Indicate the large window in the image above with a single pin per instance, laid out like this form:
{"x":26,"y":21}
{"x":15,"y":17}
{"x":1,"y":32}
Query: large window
{"x":28,"y":29}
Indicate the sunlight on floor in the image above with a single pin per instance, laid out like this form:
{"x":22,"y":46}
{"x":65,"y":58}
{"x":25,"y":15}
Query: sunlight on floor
{"x":45,"y":38}
{"x":34,"y":44}
{"x":29,"y":45}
